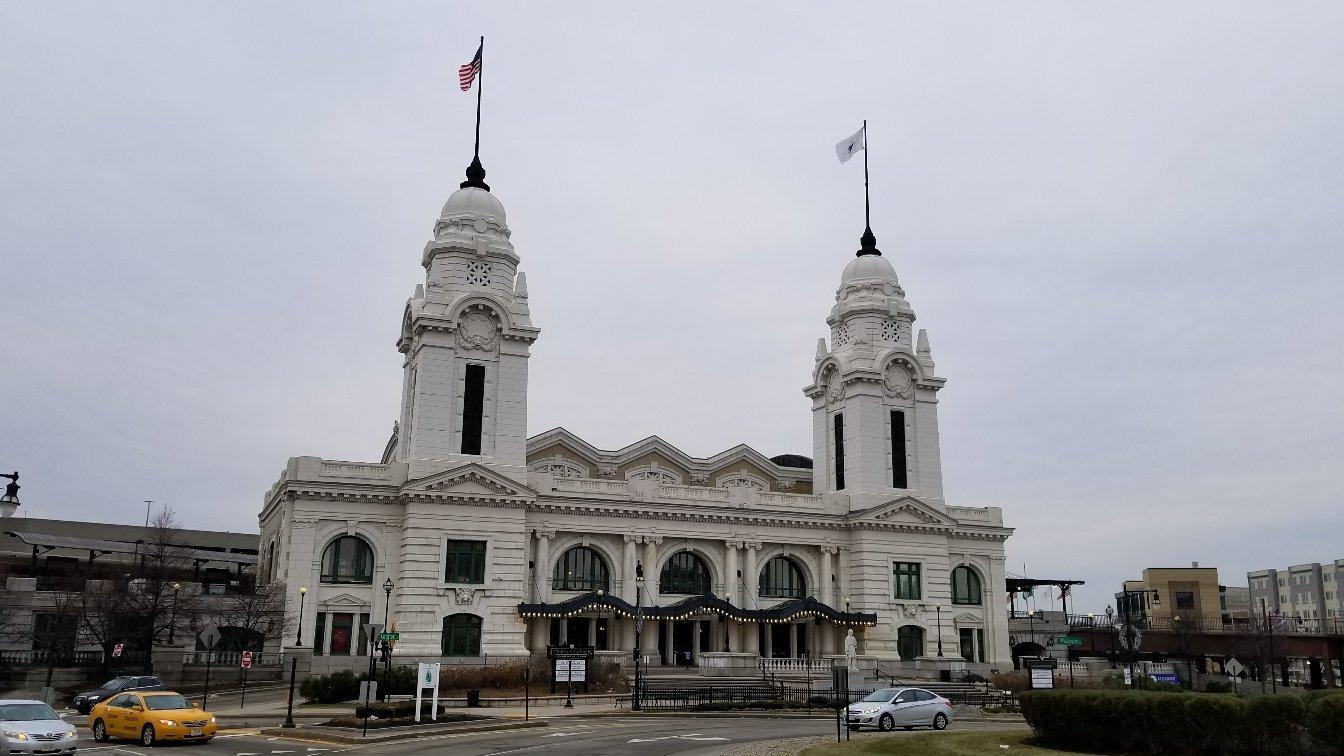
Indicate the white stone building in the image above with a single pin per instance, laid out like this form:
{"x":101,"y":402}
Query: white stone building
{"x":486,"y":542}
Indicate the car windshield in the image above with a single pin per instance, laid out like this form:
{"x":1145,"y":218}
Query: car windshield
{"x":881,"y":696}
{"x":26,"y":712}
{"x":160,"y":703}
{"x":115,"y":683}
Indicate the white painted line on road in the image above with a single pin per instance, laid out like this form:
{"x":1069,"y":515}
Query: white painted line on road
{"x":691,"y":736}
{"x":563,"y":734}
{"x":517,"y":750}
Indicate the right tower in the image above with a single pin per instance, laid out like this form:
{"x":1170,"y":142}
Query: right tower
{"x":874,"y":392}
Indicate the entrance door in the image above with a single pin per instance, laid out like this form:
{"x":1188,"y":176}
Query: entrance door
{"x":779,"y":641}
{"x":683,"y":639}
{"x":341,"y":626}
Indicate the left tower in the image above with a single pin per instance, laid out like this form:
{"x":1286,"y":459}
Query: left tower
{"x":466,"y":335}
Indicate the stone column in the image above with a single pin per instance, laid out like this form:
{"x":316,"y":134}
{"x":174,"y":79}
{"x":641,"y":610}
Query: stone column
{"x":843,"y":583}
{"x":651,"y":569}
{"x":668,"y":656}
{"x":827,"y":592}
{"x":541,"y":573}
{"x":793,"y":640}
{"x":695,"y":641}
{"x":750,"y":579}
{"x":769,"y":650}
{"x":730,"y":575}
{"x":628,"y":569}
{"x":751,"y":638}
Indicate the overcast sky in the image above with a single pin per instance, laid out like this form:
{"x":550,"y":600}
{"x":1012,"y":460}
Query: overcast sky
{"x":1121,"y":226}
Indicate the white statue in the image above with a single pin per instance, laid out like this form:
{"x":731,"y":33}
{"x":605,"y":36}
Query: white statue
{"x":851,"y":649}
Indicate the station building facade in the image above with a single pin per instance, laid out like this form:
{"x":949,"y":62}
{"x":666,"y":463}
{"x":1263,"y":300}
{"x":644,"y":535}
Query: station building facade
{"x":478,"y":541}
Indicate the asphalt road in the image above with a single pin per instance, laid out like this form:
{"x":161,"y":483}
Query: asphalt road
{"x":567,"y":735}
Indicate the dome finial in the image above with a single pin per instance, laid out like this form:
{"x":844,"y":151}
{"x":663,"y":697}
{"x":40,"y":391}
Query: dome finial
{"x":868,"y":243}
{"x":475,"y":175}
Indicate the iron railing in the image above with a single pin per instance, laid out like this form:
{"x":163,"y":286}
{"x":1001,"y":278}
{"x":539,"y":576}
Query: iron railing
{"x":228,"y":658}
{"x":778,"y":695}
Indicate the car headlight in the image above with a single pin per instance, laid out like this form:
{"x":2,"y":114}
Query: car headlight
{"x":168,"y":722}
{"x":212,"y":720}
{"x":72,"y":735}
{"x":16,"y":735}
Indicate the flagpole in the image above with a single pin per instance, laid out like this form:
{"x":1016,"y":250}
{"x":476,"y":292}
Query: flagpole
{"x":867,"y":223}
{"x":867,"y":242}
{"x":480,"y":85}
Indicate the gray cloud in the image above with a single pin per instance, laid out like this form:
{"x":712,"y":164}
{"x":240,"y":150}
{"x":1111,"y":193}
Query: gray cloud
{"x":1120,"y":226}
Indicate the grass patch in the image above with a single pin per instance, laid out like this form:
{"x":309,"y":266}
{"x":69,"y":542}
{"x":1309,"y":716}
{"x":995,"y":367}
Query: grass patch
{"x":940,"y":744}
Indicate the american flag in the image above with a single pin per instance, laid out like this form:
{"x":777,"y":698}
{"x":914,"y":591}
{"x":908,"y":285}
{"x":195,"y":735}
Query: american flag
{"x":466,"y":75}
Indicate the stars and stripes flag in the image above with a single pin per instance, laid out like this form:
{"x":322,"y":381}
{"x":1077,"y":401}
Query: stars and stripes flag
{"x":466,"y":75}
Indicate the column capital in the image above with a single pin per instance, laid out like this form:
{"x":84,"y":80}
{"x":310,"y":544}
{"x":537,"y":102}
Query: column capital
{"x":543,"y":534}
{"x":753,"y":545}
{"x":733,"y":544}
{"x":656,"y":540}
{"x":829,"y":548}
{"x":629,"y":538}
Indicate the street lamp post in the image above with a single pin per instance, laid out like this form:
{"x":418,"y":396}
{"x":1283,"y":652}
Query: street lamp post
{"x":1130,"y":640}
{"x":940,"y":630}
{"x":639,"y":629}
{"x":388,"y":585}
{"x":303,"y":594}
{"x":600,"y":626}
{"x":172,"y":627}
{"x":1110,"y":624}
{"x":727,"y":628}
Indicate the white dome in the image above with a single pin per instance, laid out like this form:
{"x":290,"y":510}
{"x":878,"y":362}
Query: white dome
{"x":867,"y":267}
{"x":475,"y":203}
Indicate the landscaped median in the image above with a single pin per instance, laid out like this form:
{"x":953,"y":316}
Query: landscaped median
{"x":350,"y":730}
{"x":1096,"y":721}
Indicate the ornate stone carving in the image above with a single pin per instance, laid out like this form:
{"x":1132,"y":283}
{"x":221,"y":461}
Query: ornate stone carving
{"x":897,"y":381}
{"x":464,"y":595}
{"x":910,"y":611}
{"x":699,"y":478}
{"x":476,"y":331}
{"x":743,"y":480}
{"x":785,"y":485}
{"x":559,"y":467}
{"x":606,"y":471}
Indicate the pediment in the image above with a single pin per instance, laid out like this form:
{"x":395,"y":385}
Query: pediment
{"x":967,"y":619}
{"x":909,"y":511}
{"x":344,"y":599}
{"x":470,"y":480}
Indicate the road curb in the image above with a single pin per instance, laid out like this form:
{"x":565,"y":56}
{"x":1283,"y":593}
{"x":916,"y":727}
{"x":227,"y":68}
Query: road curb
{"x":327,"y":735}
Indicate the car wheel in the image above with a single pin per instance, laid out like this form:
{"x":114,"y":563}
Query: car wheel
{"x":99,"y":731}
{"x":940,"y":721}
{"x":885,"y":723}
{"x":147,"y":736}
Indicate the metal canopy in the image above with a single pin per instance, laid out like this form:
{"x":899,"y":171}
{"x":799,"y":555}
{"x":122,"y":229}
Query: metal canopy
{"x":128,"y":547}
{"x":1018,"y":585}
{"x":788,"y":611}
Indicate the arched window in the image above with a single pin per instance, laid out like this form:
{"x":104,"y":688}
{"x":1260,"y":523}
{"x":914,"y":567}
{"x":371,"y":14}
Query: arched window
{"x":781,"y":578}
{"x":580,"y":569}
{"x":965,"y":586}
{"x":910,"y":642}
{"x":347,"y":559}
{"x":461,"y":635}
{"x":270,"y":562}
{"x":684,"y":573}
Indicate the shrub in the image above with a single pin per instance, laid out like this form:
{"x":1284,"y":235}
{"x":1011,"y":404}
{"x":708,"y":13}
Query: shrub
{"x":339,"y":686}
{"x":398,"y":710}
{"x":1014,"y":681}
{"x":1325,"y":720}
{"x":1218,"y":686}
{"x":1160,"y":722}
{"x":398,"y":681}
{"x":973,"y":678}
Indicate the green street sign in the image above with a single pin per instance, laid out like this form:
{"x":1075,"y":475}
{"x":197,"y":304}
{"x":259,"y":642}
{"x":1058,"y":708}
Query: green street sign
{"x":389,"y":636}
{"x":1069,"y":640}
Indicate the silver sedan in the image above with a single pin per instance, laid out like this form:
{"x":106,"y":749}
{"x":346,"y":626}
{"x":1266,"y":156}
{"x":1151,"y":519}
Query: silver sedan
{"x":889,"y":708}
{"x":32,"y":727}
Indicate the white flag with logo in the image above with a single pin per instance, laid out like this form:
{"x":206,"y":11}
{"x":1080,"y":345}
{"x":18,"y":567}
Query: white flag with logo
{"x":846,"y":149}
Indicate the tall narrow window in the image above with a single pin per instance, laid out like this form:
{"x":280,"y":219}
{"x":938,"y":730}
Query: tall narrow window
{"x":473,"y":406}
{"x":839,"y":452}
{"x":898,"y":472}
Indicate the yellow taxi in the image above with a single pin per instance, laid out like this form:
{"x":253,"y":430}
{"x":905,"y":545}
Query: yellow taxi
{"x":151,"y":717}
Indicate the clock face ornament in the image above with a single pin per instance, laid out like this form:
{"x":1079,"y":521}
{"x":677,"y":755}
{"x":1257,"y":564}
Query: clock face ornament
{"x":897,"y":381}
{"x":476,"y":330}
